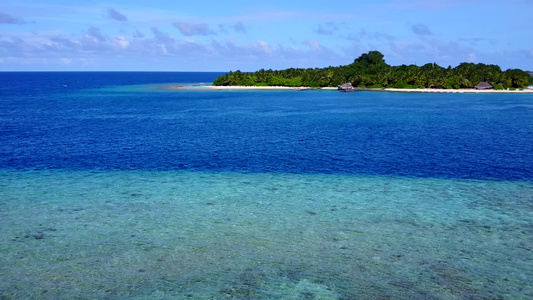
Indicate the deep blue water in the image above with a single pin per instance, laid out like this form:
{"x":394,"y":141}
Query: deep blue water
{"x":125,"y":121}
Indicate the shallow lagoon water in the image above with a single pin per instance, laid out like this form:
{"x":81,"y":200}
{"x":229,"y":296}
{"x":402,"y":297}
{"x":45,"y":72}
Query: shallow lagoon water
{"x":165,"y":235}
{"x":120,"y":191}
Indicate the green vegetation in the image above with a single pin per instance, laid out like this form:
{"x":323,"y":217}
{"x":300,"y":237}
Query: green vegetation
{"x":371,"y":71}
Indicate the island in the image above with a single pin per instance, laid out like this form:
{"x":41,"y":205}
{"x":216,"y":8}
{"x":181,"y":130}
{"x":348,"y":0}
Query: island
{"x":370,"y":71}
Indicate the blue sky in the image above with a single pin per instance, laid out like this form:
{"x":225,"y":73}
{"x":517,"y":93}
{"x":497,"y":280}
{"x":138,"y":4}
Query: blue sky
{"x":207,"y":35}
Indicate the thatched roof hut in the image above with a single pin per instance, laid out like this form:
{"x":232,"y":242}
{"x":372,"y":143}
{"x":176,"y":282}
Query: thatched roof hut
{"x":347,"y":87}
{"x":483,"y":86}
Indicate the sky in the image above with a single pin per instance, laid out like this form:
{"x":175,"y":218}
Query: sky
{"x":208,"y":35}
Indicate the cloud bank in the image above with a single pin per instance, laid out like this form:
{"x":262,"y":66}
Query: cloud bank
{"x":256,"y":36}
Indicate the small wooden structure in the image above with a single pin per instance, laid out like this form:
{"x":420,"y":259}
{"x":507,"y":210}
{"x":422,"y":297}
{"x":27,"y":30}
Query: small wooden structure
{"x":347,"y":87}
{"x":483,"y":86}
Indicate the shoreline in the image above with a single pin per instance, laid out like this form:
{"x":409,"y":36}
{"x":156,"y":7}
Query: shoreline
{"x":425,"y":90}
{"x":458,"y":91}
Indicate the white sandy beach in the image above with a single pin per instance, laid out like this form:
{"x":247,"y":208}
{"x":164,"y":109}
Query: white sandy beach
{"x":377,"y":90}
{"x":460,"y":91}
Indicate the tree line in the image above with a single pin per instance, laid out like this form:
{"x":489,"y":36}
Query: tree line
{"x":370,"y":71}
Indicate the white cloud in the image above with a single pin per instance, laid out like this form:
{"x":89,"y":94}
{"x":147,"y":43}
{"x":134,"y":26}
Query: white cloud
{"x":263,"y":47}
{"x":121,"y":41}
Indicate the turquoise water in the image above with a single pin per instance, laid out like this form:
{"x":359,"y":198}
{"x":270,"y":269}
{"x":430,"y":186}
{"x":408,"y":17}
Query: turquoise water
{"x":177,"y":235}
{"x":114,"y":187}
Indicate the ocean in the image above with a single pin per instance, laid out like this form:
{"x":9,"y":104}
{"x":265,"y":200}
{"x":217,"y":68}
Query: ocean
{"x":114,"y":186}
